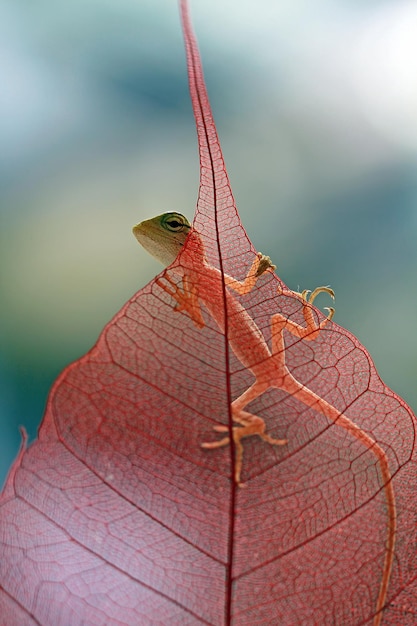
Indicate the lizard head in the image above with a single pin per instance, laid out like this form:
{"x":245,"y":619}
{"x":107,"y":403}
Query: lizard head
{"x":163,"y":236}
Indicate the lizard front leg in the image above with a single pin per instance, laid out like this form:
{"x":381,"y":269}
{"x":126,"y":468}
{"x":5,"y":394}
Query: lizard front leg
{"x":186,"y":299}
{"x":261,"y":264}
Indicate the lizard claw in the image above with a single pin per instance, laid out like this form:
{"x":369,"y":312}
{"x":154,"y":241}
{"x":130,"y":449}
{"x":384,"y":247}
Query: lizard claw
{"x":331,"y":311}
{"x":210,"y":445}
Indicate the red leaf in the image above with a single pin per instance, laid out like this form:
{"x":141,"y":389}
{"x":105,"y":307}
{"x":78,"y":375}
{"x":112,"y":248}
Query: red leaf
{"x":117,"y":515}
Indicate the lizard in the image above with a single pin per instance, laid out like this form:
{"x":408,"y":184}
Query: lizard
{"x":165,"y":236}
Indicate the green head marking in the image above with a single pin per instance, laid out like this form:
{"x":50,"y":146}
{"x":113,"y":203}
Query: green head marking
{"x":163,"y":236}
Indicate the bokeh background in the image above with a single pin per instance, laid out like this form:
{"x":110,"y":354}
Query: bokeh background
{"x":316,"y":107}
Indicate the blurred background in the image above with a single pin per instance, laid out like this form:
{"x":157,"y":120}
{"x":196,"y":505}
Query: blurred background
{"x":316,"y":107}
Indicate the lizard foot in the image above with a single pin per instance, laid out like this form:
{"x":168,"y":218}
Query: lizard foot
{"x":250,"y":426}
{"x":186,"y":298}
{"x":265,"y":264}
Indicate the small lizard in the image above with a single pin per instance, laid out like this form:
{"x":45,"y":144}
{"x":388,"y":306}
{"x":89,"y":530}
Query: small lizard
{"x":164,"y":237}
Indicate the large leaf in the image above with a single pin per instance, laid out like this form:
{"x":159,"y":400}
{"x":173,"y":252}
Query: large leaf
{"x":117,"y":515}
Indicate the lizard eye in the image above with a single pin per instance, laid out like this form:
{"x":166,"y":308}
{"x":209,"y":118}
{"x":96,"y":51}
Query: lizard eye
{"x":175,"y":222}
{"x":175,"y":225}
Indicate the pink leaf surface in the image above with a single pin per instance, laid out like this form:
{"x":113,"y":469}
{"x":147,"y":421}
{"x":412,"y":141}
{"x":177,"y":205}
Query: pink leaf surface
{"x":117,"y":515}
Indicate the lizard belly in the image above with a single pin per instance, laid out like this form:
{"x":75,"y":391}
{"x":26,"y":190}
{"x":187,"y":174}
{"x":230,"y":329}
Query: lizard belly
{"x":245,"y":338}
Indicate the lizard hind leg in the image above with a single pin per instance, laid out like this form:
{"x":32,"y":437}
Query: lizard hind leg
{"x":250,"y":425}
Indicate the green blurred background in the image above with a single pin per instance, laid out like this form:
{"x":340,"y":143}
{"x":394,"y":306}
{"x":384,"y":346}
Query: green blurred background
{"x":316,"y":107}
